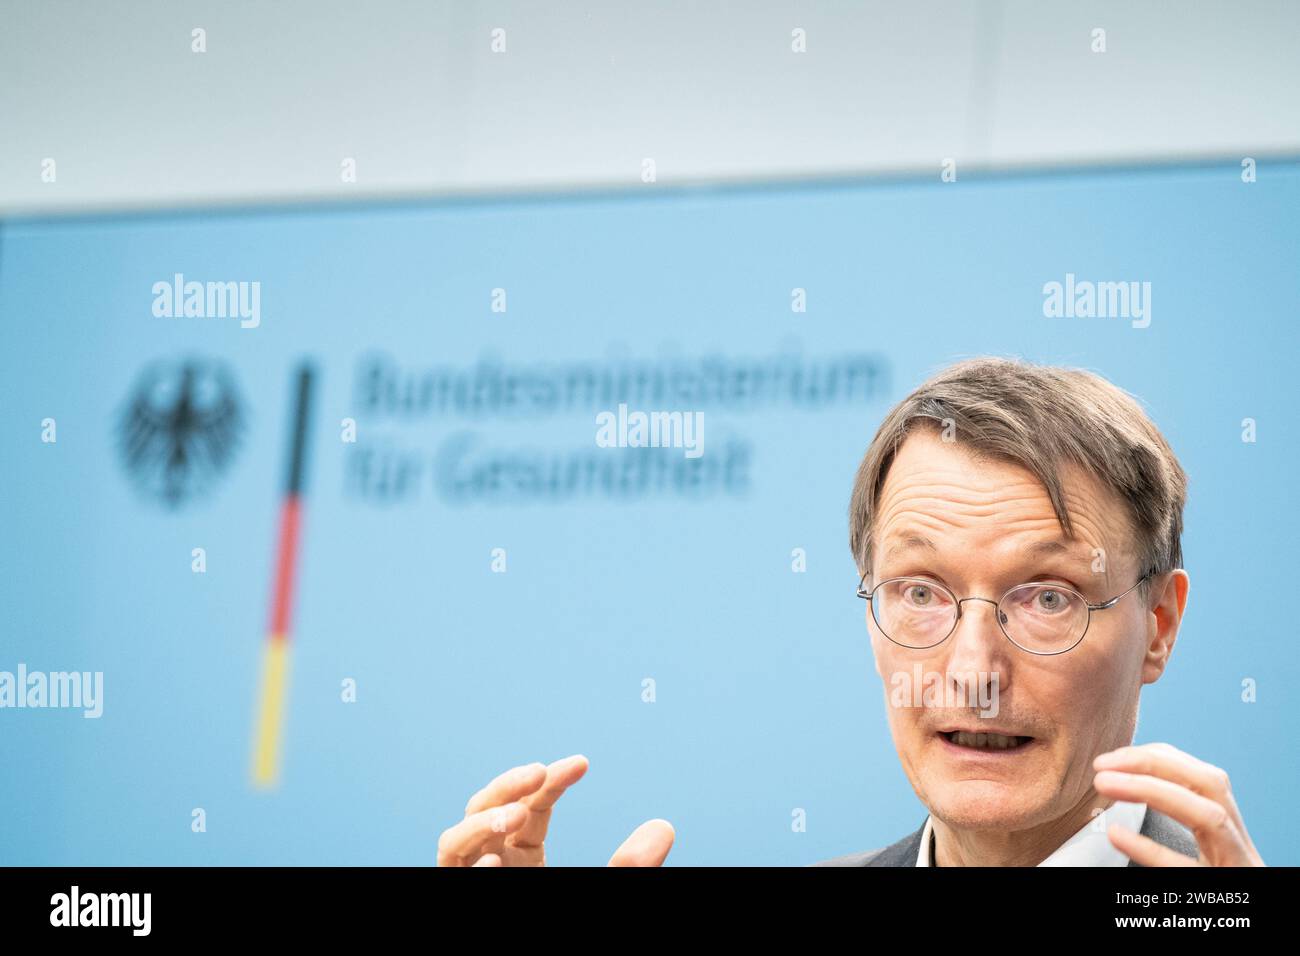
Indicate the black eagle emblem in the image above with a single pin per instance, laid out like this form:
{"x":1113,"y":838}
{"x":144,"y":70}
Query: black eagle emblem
{"x":180,"y":429}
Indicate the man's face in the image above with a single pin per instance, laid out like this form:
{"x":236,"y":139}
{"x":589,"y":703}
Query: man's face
{"x":980,"y":528}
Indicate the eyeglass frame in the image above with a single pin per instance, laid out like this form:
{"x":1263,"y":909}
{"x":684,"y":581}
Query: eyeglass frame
{"x":1103,"y":606}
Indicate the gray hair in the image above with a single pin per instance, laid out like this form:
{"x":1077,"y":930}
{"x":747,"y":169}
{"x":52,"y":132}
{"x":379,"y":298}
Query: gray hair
{"x":1040,"y":418}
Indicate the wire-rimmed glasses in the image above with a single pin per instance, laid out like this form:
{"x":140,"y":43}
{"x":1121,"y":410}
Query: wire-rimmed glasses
{"x":1039,"y":617}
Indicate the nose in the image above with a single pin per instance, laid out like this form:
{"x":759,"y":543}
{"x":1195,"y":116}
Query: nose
{"x":978,"y":649}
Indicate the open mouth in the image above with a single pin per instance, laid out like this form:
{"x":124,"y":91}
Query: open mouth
{"x":986,"y":742}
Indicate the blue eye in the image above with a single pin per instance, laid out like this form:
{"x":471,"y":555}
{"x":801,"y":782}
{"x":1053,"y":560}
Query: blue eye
{"x":1051,"y":600}
{"x":919,"y":594}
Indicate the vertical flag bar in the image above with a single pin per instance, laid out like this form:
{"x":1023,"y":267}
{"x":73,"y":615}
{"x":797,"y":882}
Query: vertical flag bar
{"x":268,"y":729}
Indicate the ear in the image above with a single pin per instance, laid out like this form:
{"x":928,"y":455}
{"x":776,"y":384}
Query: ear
{"x":1165,"y":605}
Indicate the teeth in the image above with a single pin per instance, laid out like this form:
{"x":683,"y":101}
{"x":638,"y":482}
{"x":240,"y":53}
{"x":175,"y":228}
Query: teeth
{"x":984,"y":741}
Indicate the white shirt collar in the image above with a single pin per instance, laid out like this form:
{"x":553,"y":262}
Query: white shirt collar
{"x":1089,"y":847}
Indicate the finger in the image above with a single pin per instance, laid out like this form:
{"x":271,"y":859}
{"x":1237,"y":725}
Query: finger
{"x":1216,"y":835}
{"x":488,"y":859}
{"x":647,"y":846}
{"x":1166,"y":761}
{"x":560,"y":775}
{"x":515,"y":784}
{"x":1145,"y":851}
{"x":486,"y":829}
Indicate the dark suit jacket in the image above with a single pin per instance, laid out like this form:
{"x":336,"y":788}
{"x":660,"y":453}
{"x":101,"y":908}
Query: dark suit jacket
{"x":1155,"y":825}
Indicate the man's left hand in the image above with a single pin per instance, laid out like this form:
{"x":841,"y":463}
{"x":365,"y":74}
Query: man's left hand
{"x":1196,"y":794}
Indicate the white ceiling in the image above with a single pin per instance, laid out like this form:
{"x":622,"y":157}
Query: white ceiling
{"x":586,"y":91}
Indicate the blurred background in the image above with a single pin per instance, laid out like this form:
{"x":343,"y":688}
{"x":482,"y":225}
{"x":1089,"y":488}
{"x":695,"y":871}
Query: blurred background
{"x":478,"y":225}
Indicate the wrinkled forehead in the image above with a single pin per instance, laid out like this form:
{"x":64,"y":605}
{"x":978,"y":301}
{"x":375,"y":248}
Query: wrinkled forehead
{"x":938,"y":493}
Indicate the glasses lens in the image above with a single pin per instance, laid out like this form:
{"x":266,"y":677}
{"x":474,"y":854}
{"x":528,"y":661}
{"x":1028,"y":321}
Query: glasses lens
{"x":1044,"y":618}
{"x":913,"y":612}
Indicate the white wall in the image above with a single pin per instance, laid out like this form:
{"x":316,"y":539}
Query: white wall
{"x":711,"y":91}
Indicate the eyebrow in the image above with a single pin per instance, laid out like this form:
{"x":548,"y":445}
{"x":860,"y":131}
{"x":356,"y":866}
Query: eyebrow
{"x":1045,"y":548}
{"x":910,"y":542}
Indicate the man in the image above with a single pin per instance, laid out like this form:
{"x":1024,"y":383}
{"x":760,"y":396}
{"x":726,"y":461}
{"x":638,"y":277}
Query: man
{"x":1017,"y":529}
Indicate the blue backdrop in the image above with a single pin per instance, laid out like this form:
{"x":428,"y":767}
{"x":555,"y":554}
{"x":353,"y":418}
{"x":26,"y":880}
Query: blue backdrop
{"x":765,"y":697}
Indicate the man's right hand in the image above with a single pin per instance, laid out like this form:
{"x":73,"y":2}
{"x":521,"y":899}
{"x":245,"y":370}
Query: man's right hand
{"x":505,"y":822}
